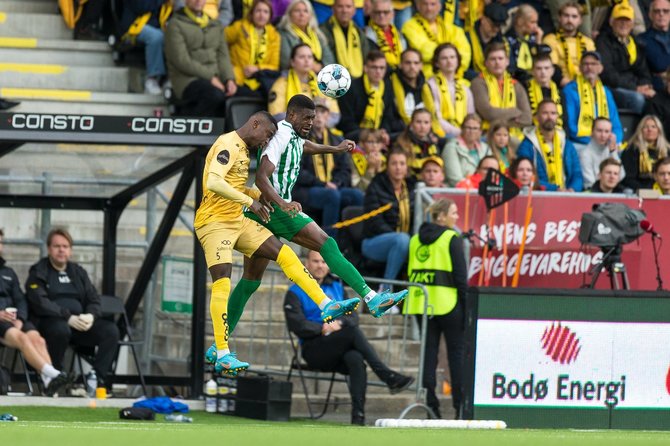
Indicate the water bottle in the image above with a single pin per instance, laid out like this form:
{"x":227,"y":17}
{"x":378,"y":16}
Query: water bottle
{"x":210,"y":396}
{"x":91,"y":383}
{"x":178,"y":418}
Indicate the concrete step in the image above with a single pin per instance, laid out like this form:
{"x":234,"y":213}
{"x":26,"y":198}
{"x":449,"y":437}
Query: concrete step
{"x":45,"y":76}
{"x":63,"y":52}
{"x":84,"y":108}
{"x":28,"y":6}
{"x":41,"y":26}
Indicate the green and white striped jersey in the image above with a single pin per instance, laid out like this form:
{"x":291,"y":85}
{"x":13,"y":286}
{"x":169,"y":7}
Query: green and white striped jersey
{"x":284,"y":151}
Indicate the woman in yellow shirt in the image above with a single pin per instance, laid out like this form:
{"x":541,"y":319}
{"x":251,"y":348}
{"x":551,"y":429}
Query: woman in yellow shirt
{"x":254,"y":48}
{"x":299,"y":79}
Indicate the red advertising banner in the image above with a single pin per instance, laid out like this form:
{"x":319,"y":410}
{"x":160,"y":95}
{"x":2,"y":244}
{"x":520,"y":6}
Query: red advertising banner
{"x":553,"y":255}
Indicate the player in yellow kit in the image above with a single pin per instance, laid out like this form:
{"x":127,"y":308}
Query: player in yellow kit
{"x":220,"y":226}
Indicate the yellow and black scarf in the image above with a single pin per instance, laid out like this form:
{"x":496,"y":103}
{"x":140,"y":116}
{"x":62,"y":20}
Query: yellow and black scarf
{"x":426,"y":99}
{"x":524,"y":60}
{"x":138,"y":25}
{"x":646,"y":161}
{"x":454,"y":109}
{"x":592,"y":104}
{"x":348,"y":49}
{"x":202,"y":21}
{"x":310,"y":38}
{"x":323,"y":163}
{"x":573,"y":70}
{"x":442,"y":35}
{"x":258,"y":45}
{"x":403,"y":209}
{"x":294,"y":85}
{"x":505,"y":98}
{"x":535,"y":96}
{"x":449,"y":13}
{"x":374,"y":110}
{"x":392,"y":54}
{"x":632,"y":50}
{"x":553,"y":159}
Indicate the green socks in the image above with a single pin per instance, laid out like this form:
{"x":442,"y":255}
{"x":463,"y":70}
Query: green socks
{"x":339,"y":265}
{"x":238,"y":300}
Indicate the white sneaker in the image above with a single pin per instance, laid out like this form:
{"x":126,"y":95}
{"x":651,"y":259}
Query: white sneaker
{"x":151,"y":86}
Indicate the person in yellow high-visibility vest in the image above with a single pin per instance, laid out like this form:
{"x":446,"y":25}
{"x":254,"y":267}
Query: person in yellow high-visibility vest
{"x":437,"y":260}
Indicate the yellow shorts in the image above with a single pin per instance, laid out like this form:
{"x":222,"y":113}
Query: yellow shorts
{"x":218,"y":239}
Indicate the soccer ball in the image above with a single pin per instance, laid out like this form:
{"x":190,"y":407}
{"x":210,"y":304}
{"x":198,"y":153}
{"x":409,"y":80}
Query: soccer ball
{"x":334,"y":80}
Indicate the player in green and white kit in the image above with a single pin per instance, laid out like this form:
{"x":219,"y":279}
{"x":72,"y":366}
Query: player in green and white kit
{"x":276,"y":175}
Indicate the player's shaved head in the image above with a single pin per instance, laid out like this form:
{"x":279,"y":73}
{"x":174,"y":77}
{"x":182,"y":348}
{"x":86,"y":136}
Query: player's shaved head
{"x":264,"y":116}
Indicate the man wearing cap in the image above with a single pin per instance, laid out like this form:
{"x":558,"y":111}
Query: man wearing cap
{"x":625,"y":68}
{"x":485,"y":31}
{"x":432,"y":172}
{"x":656,"y":41}
{"x":568,"y":44}
{"x":523,"y":39}
{"x":586,"y":98}
{"x":324,"y":182}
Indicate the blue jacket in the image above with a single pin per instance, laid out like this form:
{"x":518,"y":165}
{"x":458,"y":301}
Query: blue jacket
{"x":572,"y":106}
{"x":530,"y":148}
{"x":303,"y":316}
{"x":656,"y":46}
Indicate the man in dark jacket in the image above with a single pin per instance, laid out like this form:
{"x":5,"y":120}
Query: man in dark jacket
{"x":660,"y":104}
{"x":19,"y":333}
{"x":656,"y":41}
{"x":340,"y":346}
{"x":625,"y":69}
{"x":324,"y":183}
{"x":370,"y":102}
{"x":66,"y":307}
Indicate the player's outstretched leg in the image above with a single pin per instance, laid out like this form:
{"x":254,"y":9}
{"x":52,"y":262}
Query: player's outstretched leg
{"x":296,"y":272}
{"x":313,"y":237}
{"x":226,"y":362}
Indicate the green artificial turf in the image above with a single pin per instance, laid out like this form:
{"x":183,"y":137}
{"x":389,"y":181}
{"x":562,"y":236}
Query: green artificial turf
{"x":102,"y":427}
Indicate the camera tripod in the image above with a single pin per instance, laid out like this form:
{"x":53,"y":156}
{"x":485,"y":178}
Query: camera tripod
{"x":611,"y":262}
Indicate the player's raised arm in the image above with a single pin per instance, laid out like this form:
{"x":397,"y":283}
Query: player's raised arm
{"x":311,"y":148}
{"x":263,"y":174}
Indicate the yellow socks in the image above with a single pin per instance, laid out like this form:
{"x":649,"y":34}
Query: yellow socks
{"x":218,"y":310}
{"x":296,"y":272}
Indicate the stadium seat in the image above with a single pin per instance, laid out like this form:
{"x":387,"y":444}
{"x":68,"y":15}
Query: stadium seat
{"x":298,"y":364}
{"x":18,"y":356}
{"x":629,"y":122}
{"x":112,"y":307}
{"x":238,"y":110}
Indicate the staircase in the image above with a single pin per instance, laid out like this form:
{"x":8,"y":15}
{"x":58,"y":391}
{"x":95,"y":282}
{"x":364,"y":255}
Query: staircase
{"x":41,"y":66}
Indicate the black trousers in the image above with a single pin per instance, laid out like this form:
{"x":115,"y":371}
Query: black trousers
{"x":104,"y":334}
{"x":346,"y":351}
{"x":91,"y":13}
{"x":452,"y":327}
{"x":201,"y":98}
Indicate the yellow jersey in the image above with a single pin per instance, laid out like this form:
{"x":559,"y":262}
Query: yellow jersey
{"x":229,"y":158}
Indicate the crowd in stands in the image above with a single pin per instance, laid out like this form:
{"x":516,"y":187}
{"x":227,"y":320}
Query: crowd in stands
{"x":534,"y":89}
